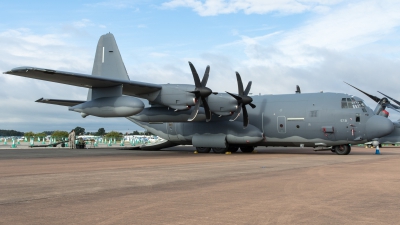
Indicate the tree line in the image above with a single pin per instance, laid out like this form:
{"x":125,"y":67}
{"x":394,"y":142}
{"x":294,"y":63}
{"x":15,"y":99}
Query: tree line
{"x":64,"y":134}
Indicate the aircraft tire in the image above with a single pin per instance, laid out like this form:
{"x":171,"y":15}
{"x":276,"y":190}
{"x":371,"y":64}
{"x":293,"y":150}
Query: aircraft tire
{"x":203,"y":149}
{"x":247,"y":149}
{"x":342,"y":149}
{"x":233,"y":149}
{"x":219,"y":150}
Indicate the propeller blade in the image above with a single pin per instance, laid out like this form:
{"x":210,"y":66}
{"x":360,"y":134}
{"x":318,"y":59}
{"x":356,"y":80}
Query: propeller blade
{"x":394,"y":107}
{"x":245,"y":117}
{"x":235,"y":96}
{"x":252,"y":105}
{"x":195,"y":111}
{"x":237,"y":113}
{"x":376,"y":99}
{"x":397,"y":102}
{"x":206,"y":109}
{"x":246,"y":92}
{"x":195,"y":75}
{"x":240,"y":84}
{"x":205,"y":77}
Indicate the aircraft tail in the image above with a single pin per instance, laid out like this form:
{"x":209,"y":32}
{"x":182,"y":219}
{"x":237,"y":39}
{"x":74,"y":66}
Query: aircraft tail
{"x":108,"y":63}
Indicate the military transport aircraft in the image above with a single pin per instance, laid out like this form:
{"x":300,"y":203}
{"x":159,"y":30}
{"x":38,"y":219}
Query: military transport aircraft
{"x":194,"y":114}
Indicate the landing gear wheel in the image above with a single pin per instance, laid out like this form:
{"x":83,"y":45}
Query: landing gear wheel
{"x":333,"y":150}
{"x":233,"y":149}
{"x":203,"y":149}
{"x":247,"y":149}
{"x":342,"y":149}
{"x":219,"y":150}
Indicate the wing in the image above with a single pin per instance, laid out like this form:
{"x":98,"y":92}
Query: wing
{"x":132,"y":88}
{"x":60,"y":102}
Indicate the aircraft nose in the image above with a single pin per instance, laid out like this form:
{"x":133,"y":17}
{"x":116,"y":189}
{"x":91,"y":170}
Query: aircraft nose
{"x":378,"y":126}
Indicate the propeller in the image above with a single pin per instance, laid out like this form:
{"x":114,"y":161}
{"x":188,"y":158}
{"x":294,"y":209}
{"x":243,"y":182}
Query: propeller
{"x":242,"y":99}
{"x":383,"y":102}
{"x":201,"y":92}
{"x":397,"y":102}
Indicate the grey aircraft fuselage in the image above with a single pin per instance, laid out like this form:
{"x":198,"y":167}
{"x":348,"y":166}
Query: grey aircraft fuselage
{"x":309,"y":120}
{"x":193,"y":114}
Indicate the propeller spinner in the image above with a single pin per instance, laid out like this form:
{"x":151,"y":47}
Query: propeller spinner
{"x":201,"y":92}
{"x":242,"y":99}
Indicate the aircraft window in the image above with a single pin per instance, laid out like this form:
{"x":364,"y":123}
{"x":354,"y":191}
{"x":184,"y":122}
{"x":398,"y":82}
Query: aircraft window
{"x":352,"y":103}
{"x":349,"y":105}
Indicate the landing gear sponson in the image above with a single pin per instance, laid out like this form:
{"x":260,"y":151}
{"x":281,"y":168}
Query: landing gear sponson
{"x":244,"y":149}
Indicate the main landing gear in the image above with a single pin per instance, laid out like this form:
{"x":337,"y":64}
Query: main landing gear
{"x":341,"y":149}
{"x":244,"y":149}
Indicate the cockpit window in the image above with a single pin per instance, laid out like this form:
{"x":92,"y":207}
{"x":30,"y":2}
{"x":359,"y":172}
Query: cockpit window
{"x":352,"y":104}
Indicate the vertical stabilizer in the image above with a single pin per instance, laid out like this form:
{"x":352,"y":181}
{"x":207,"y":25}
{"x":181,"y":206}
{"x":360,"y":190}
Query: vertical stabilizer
{"x":107,"y":63}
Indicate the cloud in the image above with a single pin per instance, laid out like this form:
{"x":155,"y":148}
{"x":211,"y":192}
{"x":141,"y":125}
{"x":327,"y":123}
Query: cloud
{"x":353,"y":43}
{"x":83,"y":23}
{"x":341,"y":30}
{"x":116,"y":4}
{"x":215,"y":7}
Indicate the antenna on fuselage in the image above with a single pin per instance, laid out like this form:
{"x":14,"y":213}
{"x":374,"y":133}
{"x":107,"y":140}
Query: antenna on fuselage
{"x":298,"y":91}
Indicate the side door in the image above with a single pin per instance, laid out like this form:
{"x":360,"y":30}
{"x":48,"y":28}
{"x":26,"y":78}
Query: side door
{"x":281,"y":124}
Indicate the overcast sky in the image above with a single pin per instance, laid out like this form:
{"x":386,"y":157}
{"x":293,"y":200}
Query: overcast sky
{"x":277,"y":44}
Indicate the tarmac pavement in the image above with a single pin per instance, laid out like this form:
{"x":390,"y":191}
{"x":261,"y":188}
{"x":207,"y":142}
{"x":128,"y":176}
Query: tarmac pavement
{"x":175,"y":186}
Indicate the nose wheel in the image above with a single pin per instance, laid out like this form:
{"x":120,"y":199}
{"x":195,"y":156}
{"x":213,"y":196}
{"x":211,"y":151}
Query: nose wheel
{"x":341,"y":149}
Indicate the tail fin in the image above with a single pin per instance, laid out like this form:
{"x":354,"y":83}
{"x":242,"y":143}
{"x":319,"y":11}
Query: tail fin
{"x":108,"y":63}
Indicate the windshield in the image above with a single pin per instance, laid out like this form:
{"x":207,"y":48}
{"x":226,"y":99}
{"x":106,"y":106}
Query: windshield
{"x":352,"y":103}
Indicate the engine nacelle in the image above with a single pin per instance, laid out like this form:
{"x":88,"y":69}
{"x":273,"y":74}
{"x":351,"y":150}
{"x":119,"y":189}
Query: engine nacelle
{"x":176,"y":96}
{"x":222,"y":104}
{"x":122,"y":106}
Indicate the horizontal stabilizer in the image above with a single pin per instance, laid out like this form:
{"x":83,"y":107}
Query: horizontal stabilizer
{"x":60,"y":102}
{"x":132,"y":88}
